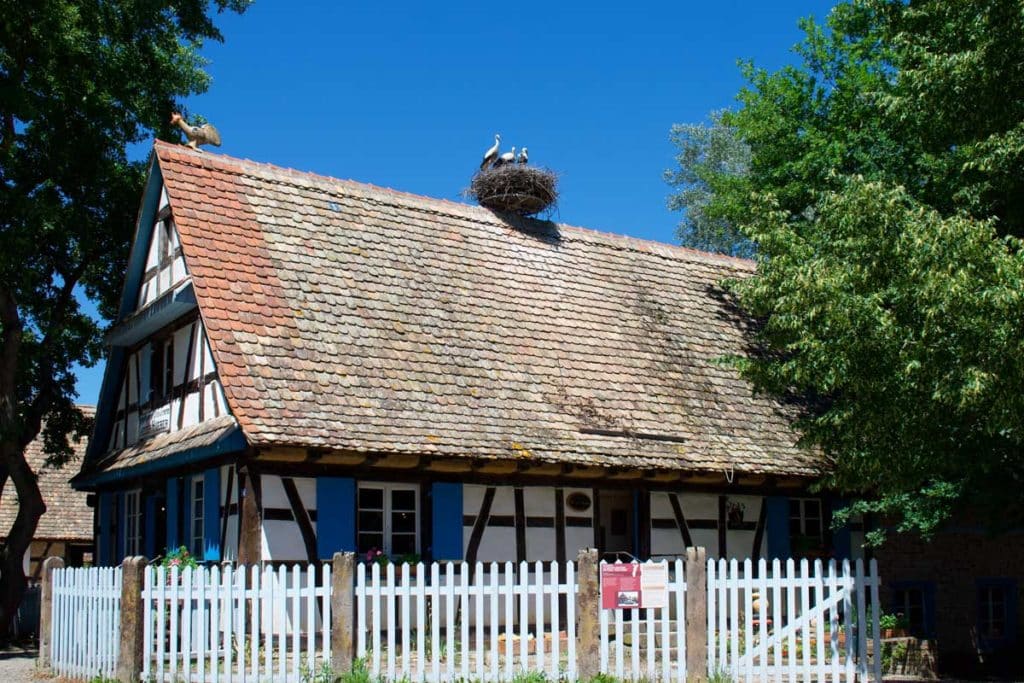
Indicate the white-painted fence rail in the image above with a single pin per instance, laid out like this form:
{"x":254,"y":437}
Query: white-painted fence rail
{"x":86,"y":621}
{"x":779,"y":621}
{"x":647,"y":644}
{"x":213,"y":624}
{"x":452,"y":621}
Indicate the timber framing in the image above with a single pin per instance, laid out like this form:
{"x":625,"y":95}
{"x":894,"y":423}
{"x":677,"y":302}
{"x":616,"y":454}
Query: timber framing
{"x":411,"y":468}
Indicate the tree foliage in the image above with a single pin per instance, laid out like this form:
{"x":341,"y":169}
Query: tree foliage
{"x":79,"y":83}
{"x":885,"y":197}
{"x":709,"y":157}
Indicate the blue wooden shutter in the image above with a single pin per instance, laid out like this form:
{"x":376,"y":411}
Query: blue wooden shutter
{"x":335,"y":515}
{"x":104,"y":544}
{"x":777,"y":526}
{"x":211,"y":515}
{"x":186,"y":513}
{"x":120,"y":512}
{"x":446,"y":525}
{"x":149,"y":526}
{"x":841,"y":543}
{"x":173,"y":515}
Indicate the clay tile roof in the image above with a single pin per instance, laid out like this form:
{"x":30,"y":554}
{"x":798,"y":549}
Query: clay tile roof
{"x":67,"y":517}
{"x":352,"y":317}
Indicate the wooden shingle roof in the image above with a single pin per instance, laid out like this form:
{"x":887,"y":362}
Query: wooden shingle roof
{"x":354,"y":318}
{"x":67,"y":516}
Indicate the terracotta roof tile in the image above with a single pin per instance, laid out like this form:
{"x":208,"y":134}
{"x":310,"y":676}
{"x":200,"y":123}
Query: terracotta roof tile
{"x":347,"y":316}
{"x":67,"y":516}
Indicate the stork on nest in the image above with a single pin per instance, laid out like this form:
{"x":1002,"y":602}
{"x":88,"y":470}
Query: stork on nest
{"x":515,"y":188}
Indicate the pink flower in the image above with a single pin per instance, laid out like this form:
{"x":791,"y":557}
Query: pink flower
{"x":176,"y":562}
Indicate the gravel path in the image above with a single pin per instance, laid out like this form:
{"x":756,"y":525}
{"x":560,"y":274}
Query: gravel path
{"x":17,"y":664}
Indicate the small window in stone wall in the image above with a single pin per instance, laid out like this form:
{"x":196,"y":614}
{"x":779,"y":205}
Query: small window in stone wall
{"x":997,"y":612}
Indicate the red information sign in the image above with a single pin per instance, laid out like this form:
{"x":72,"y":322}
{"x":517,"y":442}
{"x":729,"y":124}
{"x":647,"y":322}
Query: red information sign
{"x":634,"y":585}
{"x":620,"y":586}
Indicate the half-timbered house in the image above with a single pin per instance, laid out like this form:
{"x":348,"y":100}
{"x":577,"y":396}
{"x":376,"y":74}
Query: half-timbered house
{"x":303,"y":365}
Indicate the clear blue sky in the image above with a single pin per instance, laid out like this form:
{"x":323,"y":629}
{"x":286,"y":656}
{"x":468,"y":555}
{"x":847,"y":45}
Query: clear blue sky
{"x":409,"y":95}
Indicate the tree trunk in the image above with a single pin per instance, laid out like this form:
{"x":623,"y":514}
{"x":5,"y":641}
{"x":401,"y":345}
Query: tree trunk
{"x":16,"y":433}
{"x":19,"y":539}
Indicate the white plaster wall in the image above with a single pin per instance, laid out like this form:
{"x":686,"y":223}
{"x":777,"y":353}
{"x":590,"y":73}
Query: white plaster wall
{"x":704,"y":507}
{"x":539,"y":501}
{"x":498,"y":543}
{"x":282,"y":539}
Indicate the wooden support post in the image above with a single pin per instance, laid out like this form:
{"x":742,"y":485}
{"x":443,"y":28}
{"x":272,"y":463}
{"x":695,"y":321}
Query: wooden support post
{"x":46,"y":610}
{"x":696,"y":614}
{"x":129,"y":658}
{"x":588,"y":635}
{"x":342,"y":613}
{"x":250,"y":541}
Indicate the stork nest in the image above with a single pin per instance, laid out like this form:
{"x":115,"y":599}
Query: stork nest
{"x":515,"y":188}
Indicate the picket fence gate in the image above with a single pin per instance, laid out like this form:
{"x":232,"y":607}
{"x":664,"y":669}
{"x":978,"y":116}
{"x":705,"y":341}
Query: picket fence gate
{"x":797,"y":622}
{"x":86,"y":617}
{"x":235,"y":623}
{"x":660,"y":652}
{"x":471,"y":622}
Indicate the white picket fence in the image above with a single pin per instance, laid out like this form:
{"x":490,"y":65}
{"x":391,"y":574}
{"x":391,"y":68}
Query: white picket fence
{"x":86,"y":614}
{"x":481,"y":622}
{"x":235,"y":624}
{"x":648,"y":644}
{"x":801,"y":622}
{"x":453,"y":621}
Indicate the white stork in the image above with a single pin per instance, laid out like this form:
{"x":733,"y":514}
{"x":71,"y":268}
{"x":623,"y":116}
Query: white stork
{"x":491,"y":155}
{"x":506,"y":158}
{"x":523,"y":156}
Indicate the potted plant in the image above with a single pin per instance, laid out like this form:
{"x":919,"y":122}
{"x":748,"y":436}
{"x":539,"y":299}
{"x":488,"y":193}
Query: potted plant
{"x":893,"y":625}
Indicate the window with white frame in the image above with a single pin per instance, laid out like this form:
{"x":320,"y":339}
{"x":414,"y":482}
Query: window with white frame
{"x":805,"y":518}
{"x":387,"y":519}
{"x":197,"y":516}
{"x":133,"y":523}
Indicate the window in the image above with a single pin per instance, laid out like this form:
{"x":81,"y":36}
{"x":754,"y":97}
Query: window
{"x":805,"y":518}
{"x":161,"y":369}
{"x":197,"y":517}
{"x":914,"y":601}
{"x":387,"y":519}
{"x":997,"y":611}
{"x":133,"y":523}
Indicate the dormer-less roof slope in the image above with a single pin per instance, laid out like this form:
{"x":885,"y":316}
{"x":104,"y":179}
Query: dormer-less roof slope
{"x":348,"y":317}
{"x":68,"y":517}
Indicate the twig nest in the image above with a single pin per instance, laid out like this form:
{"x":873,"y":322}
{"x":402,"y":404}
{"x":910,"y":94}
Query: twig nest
{"x":515,"y":188}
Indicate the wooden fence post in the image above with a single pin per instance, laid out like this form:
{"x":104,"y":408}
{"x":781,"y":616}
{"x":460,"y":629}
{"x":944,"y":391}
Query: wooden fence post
{"x":342,"y":614}
{"x":696,"y":614}
{"x":588,"y":651}
{"x":129,"y":659}
{"x":46,"y":609}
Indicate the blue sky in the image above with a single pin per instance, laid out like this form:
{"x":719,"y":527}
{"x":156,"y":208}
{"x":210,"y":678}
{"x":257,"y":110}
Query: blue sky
{"x":409,"y":95}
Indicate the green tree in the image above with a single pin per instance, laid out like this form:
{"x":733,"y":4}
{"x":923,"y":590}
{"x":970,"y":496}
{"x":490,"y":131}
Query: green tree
{"x":709,"y":156}
{"x":885,"y":197}
{"x":79,"y":82}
